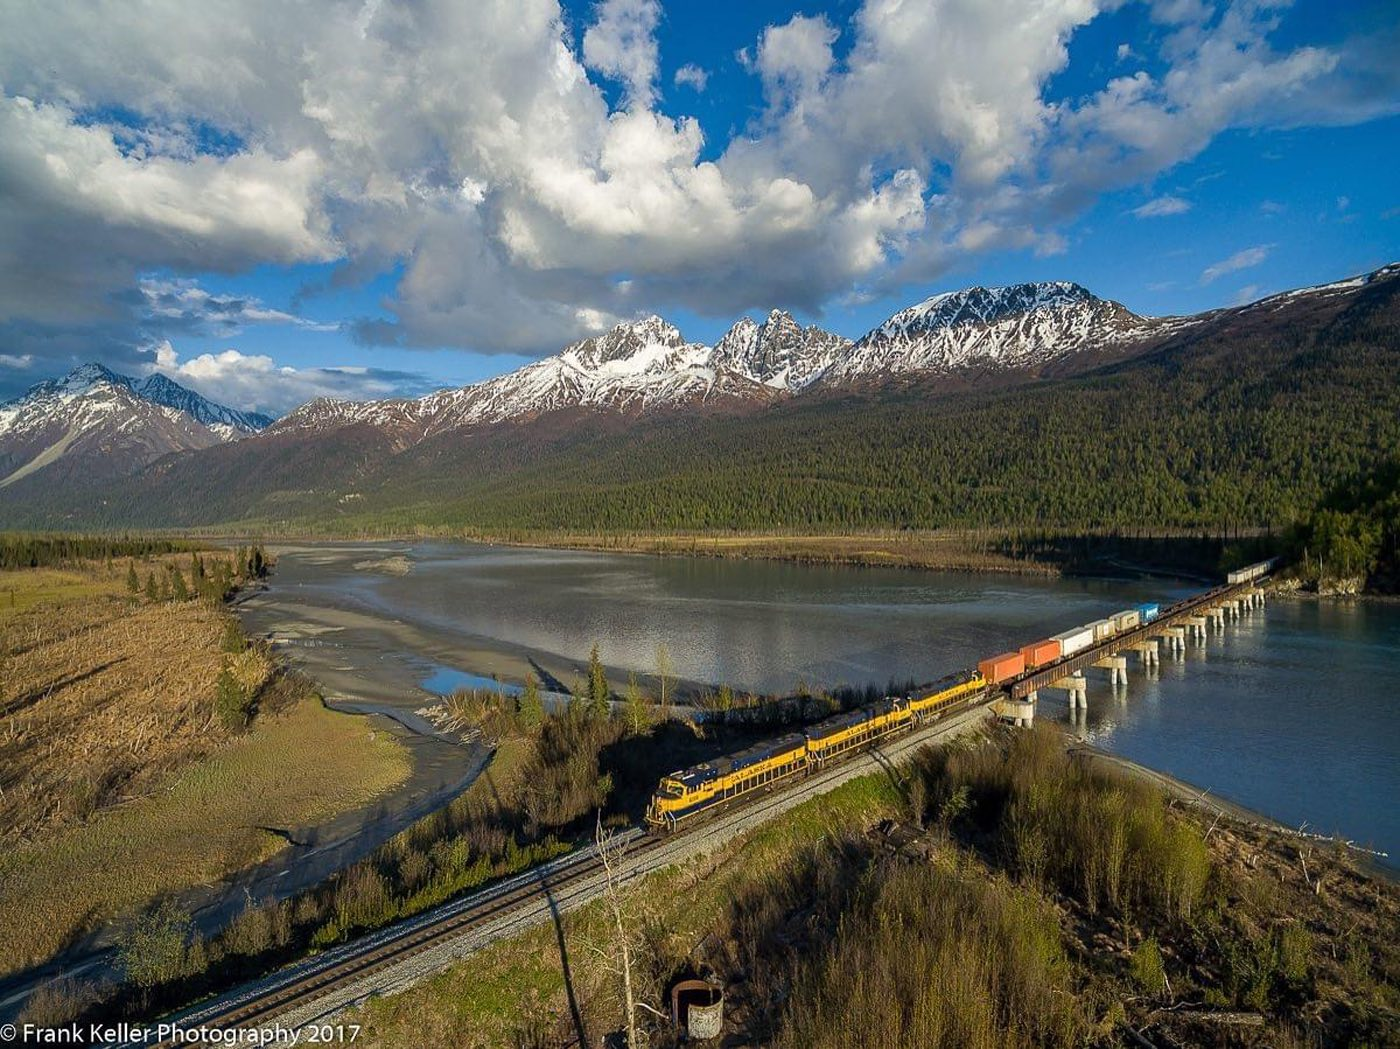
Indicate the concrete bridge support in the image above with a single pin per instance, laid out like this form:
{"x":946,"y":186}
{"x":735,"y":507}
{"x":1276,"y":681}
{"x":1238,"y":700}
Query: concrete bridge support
{"x":1195,"y":628}
{"x":1147,"y":652}
{"x":1077,"y":688}
{"x":1117,"y":667}
{"x":1018,"y":712}
{"x":1172,"y":638}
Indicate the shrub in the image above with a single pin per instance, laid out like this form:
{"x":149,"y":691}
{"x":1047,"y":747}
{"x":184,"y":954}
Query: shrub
{"x":1148,"y":968}
{"x":160,"y":948}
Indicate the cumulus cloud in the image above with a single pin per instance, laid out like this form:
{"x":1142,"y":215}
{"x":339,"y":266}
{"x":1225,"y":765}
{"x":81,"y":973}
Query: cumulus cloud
{"x":691,"y":75}
{"x":1240,"y":260}
{"x":621,"y":44}
{"x":255,"y":382}
{"x":524,"y":184}
{"x":1160,"y":206}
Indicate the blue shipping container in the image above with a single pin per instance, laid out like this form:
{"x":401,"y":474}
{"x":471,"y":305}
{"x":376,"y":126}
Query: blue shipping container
{"x":1148,"y":612}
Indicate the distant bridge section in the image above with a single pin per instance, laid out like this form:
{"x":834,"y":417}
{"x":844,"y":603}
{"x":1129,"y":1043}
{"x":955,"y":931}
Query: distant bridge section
{"x":1171,"y":626}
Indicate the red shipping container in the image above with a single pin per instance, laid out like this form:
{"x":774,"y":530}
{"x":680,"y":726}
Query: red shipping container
{"x":1038,"y":653}
{"x":999,"y":668}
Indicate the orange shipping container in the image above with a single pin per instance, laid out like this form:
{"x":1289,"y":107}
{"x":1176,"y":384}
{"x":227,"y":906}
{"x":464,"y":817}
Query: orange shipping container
{"x":999,"y":668}
{"x":1038,"y":653}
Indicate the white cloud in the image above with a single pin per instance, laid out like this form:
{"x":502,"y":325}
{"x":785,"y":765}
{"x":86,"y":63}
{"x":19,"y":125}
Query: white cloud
{"x":1240,"y":260}
{"x":1247,"y":294}
{"x":17,"y":362}
{"x":255,"y":382}
{"x":1161,"y":206}
{"x":472,"y":148}
{"x":621,"y":44}
{"x":691,"y":75}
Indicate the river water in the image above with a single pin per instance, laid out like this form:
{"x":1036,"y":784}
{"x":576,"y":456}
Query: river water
{"x":1294,"y":711}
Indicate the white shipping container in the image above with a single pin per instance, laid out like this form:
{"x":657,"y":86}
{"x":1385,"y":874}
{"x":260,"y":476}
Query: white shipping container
{"x":1126,"y":619}
{"x":1076,"y":640}
{"x":1103,"y":628}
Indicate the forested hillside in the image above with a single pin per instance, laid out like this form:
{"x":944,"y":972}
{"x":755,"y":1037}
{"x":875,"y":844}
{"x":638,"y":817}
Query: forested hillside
{"x":1249,"y":420}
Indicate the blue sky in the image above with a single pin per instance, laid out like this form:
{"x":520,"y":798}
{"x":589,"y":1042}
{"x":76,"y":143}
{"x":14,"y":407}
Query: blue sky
{"x":389,"y":198}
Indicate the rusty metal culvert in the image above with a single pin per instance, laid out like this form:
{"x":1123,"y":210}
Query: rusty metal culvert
{"x":697,"y":1009}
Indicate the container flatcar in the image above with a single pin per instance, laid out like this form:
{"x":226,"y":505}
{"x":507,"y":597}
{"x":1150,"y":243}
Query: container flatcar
{"x":1038,"y":653}
{"x":1003,"y":667}
{"x":1125,"y":620}
{"x":1076,"y":640}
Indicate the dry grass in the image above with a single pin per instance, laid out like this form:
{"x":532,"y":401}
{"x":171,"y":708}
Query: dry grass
{"x":948,"y":550}
{"x":103,"y":695}
{"x":827,"y":932}
{"x":298,"y":767}
{"x":118,"y":782}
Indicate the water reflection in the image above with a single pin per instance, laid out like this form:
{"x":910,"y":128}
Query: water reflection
{"x":1294,"y":710}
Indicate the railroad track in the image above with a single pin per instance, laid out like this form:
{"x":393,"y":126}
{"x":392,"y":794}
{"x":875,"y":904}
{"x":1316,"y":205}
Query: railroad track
{"x":315,"y":988}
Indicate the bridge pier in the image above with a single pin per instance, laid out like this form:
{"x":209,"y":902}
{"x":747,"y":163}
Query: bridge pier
{"x":1147,"y":652}
{"x":1195,"y":628}
{"x":1018,"y":712}
{"x":1077,"y":688}
{"x":1173,"y":637}
{"x":1117,"y":667}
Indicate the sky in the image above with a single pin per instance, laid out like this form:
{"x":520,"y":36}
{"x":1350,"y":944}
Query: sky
{"x":270,"y":202}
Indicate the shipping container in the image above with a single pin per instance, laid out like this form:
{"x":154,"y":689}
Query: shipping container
{"x":1103,"y":628}
{"x":1038,"y":653}
{"x":1148,"y":612}
{"x":1003,"y":667}
{"x":1076,"y":640}
{"x":1125,"y":620}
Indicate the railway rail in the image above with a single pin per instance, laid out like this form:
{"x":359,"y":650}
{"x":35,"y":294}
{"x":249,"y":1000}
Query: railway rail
{"x":343,"y":976}
{"x":309,"y":991}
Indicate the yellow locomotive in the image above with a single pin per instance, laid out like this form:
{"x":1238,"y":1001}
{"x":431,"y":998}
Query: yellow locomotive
{"x":690,"y":792}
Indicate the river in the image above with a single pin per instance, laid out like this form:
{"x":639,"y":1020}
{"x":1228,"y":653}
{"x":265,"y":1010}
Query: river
{"x":1294,"y":712}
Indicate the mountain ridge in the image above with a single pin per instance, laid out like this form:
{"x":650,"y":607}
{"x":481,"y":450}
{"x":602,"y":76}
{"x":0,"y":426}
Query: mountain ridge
{"x":97,"y":423}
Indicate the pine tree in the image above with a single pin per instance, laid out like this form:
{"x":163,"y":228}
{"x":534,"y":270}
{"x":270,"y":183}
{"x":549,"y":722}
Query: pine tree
{"x":598,"y":690}
{"x":133,"y":583}
{"x":178,"y":590}
{"x":230,"y":701}
{"x":152,"y":587}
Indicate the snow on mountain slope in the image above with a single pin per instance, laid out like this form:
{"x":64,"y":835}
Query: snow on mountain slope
{"x":648,"y":366}
{"x":160,"y":389}
{"x":1022,"y":326}
{"x":95,"y":422}
{"x":779,"y":353}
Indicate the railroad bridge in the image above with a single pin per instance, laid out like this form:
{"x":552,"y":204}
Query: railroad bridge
{"x":1169,"y":628}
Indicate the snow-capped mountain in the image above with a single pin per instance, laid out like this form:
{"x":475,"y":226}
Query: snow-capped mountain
{"x":779,"y":353}
{"x":95,"y":422}
{"x":160,"y":389}
{"x":638,"y":366}
{"x":1018,"y":327}
{"x":647,"y":365}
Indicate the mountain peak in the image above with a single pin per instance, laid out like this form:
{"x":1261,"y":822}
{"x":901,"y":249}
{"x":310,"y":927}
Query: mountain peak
{"x":86,"y":376}
{"x":778,"y":353}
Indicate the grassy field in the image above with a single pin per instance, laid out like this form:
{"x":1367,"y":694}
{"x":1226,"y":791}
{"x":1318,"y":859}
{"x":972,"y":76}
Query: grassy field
{"x":119,"y":781}
{"x":104,"y":692}
{"x":1025,"y":911}
{"x":948,"y":550}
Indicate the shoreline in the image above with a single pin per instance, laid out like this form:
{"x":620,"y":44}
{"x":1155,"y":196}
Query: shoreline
{"x":1371,"y":862}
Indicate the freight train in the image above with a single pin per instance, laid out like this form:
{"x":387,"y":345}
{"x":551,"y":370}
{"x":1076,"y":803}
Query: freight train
{"x":689,"y":793}
{"x":684,"y":795}
{"x":1249,"y":573}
